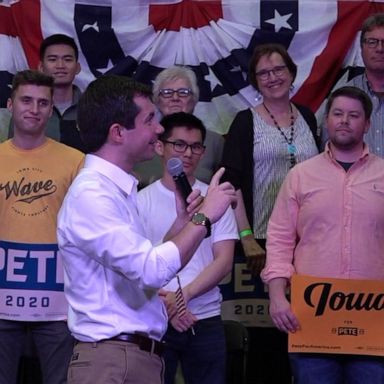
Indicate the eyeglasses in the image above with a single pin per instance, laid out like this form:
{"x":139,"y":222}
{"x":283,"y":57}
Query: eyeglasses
{"x":371,"y":42}
{"x":181,"y":92}
{"x":265,"y":73}
{"x":181,"y":146}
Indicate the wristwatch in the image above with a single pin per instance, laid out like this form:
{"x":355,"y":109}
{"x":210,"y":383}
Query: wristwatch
{"x":199,"y":218}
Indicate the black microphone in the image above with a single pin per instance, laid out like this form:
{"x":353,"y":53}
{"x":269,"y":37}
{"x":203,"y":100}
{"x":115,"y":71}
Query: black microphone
{"x":175,"y":169}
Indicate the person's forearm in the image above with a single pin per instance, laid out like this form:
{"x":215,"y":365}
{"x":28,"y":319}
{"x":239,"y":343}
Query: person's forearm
{"x":188,"y":240}
{"x":247,"y":237}
{"x":207,"y":280}
{"x":240,"y":213}
{"x":211,"y":276}
{"x":175,"y":228}
{"x":217,"y":200}
{"x":277,"y":288}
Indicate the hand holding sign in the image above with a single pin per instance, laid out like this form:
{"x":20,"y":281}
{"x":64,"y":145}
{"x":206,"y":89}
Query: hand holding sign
{"x":280,"y":308}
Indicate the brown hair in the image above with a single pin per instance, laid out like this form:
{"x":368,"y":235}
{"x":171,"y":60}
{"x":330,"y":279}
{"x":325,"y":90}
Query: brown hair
{"x":107,"y":100}
{"x":268,"y":50}
{"x":374,"y":21}
{"x":31,"y":77}
{"x":352,"y":93}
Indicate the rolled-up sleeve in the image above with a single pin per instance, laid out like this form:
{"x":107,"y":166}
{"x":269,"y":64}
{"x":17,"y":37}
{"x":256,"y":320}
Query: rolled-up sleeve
{"x":281,"y":232}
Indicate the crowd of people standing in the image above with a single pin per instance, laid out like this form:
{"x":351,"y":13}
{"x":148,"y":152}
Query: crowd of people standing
{"x":113,"y":274}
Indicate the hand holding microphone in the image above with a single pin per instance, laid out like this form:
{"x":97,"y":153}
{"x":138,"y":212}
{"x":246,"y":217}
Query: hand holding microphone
{"x":218,"y":198}
{"x":175,"y":169}
{"x":184,"y":209}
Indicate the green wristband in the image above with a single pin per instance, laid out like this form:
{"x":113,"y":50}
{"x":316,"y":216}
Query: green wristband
{"x":245,"y":232}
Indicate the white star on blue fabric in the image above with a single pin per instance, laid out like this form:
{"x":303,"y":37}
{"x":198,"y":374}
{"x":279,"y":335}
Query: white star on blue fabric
{"x":213,"y":80}
{"x":94,"y":26}
{"x":107,"y":68}
{"x":280,"y":21}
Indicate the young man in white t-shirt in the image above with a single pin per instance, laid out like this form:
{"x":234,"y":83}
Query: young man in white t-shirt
{"x":195,"y":338}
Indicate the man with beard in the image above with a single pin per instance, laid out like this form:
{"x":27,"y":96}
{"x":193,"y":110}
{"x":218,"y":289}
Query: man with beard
{"x":328,"y":222}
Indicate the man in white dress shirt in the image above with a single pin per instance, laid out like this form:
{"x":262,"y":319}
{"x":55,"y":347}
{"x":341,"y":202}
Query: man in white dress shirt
{"x":112,"y":271}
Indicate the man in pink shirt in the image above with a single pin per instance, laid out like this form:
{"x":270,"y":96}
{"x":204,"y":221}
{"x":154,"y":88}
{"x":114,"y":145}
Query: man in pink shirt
{"x":328,"y":221}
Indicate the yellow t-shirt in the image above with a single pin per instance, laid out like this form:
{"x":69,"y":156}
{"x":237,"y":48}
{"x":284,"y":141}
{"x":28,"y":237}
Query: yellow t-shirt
{"x":33,"y":184}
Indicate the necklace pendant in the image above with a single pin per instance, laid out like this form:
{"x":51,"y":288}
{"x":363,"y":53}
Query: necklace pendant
{"x":291,"y":149}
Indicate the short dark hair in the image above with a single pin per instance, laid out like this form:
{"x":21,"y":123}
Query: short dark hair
{"x":374,"y":21}
{"x":268,"y":50}
{"x":108,"y":100}
{"x":352,"y":93}
{"x":181,"y":119}
{"x":56,"y":39}
{"x":31,"y":77}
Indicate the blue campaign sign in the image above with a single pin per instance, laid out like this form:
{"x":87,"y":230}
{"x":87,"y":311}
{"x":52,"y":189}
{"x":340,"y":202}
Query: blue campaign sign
{"x":30,"y":266}
{"x":31,"y":282}
{"x":245,"y":298}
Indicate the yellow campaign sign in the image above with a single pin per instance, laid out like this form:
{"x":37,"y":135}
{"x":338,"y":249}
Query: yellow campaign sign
{"x":337,"y":316}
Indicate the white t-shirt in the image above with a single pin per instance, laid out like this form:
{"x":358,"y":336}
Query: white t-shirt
{"x":157,"y":210}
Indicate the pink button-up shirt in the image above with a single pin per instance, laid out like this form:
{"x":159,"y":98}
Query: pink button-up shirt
{"x":328,"y":222}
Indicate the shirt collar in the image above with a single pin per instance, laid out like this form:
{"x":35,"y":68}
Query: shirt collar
{"x":125,"y":181}
{"x":76,"y":94}
{"x":368,"y":85}
{"x":328,"y":152}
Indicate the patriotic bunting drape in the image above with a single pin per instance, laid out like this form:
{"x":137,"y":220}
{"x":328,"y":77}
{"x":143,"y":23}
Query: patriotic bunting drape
{"x":215,"y":37}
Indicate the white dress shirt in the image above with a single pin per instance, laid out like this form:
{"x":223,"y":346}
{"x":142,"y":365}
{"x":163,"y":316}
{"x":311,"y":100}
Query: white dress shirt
{"x":112,"y":273}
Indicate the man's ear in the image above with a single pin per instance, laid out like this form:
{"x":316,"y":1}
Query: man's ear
{"x":78,"y":68}
{"x":40,"y":67}
{"x":115,"y":133}
{"x":9,"y":105}
{"x":159,"y":148}
{"x":367,"y":125}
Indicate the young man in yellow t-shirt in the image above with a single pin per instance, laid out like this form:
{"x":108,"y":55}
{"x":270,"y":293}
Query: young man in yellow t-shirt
{"x":35,"y":173}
